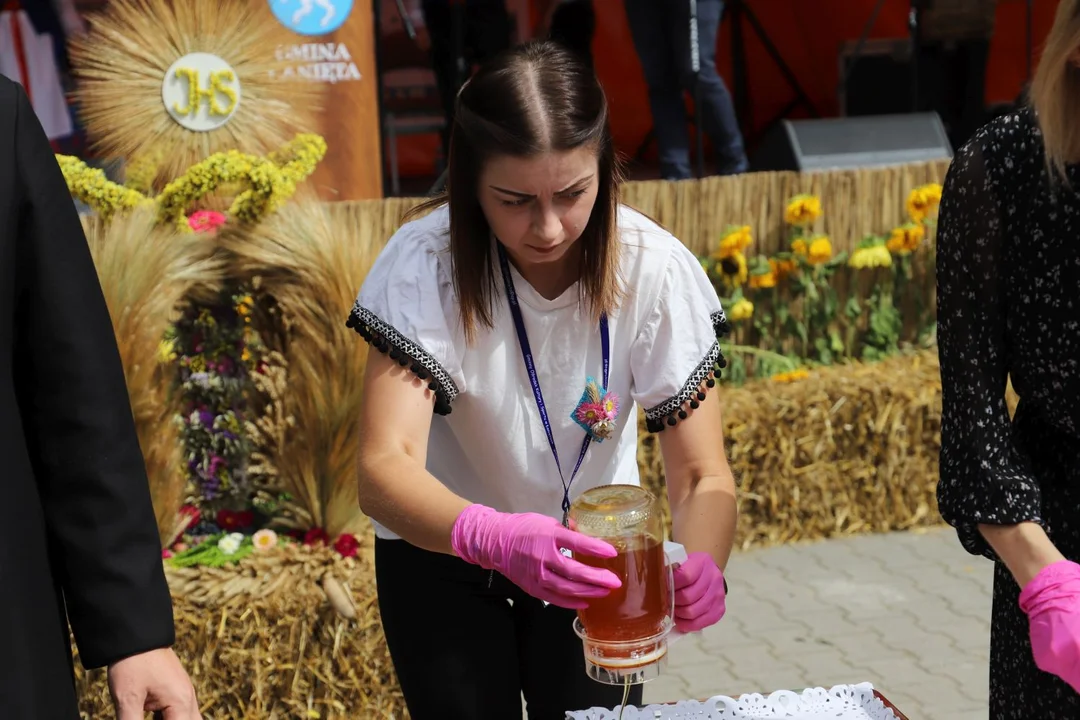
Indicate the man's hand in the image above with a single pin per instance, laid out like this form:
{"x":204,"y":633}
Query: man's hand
{"x":155,"y":682}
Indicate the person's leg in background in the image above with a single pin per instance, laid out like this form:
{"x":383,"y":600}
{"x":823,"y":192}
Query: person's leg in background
{"x":485,"y":31}
{"x":717,"y":111}
{"x":552,"y":664}
{"x":975,"y":54}
{"x":488,"y":30}
{"x":652,"y":26}
{"x":440,"y":26}
{"x":450,"y":632}
{"x":573,"y":25}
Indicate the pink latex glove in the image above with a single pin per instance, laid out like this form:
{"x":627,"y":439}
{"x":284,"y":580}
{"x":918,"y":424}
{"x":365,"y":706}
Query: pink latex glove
{"x":1052,"y":603}
{"x":699,"y":593}
{"x":525,"y":547}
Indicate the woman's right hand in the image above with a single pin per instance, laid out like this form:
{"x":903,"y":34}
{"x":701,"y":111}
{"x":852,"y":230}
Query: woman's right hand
{"x":1052,"y":603}
{"x":526,"y":548}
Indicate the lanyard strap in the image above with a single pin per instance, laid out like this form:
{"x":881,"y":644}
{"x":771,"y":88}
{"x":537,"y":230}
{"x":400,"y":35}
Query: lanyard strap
{"x":538,"y":395}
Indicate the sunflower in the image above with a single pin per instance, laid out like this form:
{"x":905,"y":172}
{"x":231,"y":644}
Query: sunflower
{"x":762,"y":273}
{"x":820,"y":251}
{"x":763,"y":280}
{"x":802,"y":210}
{"x":734,"y":240}
{"x":782,"y":265}
{"x":733,"y":270}
{"x":871,"y":253}
{"x":906,"y":238}
{"x":923,"y":201}
{"x":121,"y":65}
{"x":742,"y":309}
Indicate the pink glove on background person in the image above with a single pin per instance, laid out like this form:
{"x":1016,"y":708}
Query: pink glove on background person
{"x":1052,"y":603}
{"x":700,"y":594}
{"x":525,"y":548}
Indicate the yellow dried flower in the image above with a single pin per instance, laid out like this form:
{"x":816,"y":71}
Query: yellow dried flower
{"x":269,"y":184}
{"x":91,"y":186}
{"x":791,"y":376}
{"x":166,"y":351}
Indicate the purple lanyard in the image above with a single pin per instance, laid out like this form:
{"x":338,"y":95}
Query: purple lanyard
{"x":530,"y":367}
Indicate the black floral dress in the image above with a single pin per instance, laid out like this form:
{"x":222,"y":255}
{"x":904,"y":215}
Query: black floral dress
{"x":1009,"y":306}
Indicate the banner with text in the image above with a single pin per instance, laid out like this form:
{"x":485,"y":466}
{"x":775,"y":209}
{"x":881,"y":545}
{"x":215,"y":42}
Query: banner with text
{"x":335,"y":46}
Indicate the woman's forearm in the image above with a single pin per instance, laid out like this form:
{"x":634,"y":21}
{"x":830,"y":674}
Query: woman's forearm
{"x":1024,"y":548}
{"x":703,"y":520}
{"x":396,"y":491}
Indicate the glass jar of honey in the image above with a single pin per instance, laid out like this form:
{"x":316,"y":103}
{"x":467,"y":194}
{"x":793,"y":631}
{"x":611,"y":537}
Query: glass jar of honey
{"x":625,"y":634}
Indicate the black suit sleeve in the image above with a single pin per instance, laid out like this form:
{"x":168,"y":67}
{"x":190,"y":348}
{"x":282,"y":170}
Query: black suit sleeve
{"x":76,"y":413}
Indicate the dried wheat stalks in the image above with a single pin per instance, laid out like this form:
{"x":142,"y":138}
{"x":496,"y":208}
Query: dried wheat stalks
{"x":121,"y":65}
{"x":146,"y":271}
{"x":311,"y":264}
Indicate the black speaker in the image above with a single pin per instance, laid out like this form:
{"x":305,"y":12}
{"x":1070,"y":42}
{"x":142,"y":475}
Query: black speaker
{"x":841,"y":143}
{"x":875,"y":77}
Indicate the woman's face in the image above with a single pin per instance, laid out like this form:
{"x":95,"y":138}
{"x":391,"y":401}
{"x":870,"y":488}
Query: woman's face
{"x":538,"y":207}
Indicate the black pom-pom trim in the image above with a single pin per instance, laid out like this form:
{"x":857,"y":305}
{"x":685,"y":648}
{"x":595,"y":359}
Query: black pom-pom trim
{"x":673,"y":411}
{"x":406,"y":353}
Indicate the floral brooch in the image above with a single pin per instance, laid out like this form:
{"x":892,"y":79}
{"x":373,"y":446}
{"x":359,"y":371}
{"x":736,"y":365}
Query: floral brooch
{"x":597,"y":411}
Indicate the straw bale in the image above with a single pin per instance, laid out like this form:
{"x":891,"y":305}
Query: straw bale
{"x":263,"y":640}
{"x":850,"y":449}
{"x":847,"y":450}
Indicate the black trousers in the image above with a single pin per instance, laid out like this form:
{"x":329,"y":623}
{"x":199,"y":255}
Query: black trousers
{"x":573,"y":24}
{"x":485,"y":32}
{"x":462,"y":651}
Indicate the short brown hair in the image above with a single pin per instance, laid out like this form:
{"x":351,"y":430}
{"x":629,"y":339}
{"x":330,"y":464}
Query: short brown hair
{"x":536,"y":98}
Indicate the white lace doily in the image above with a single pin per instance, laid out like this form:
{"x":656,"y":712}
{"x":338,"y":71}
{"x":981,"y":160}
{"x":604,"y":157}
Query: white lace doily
{"x":842,"y":702}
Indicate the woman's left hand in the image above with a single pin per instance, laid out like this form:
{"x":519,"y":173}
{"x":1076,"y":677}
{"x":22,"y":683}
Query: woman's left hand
{"x":699,"y":593}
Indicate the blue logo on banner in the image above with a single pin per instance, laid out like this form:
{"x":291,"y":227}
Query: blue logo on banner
{"x":311,"y":17}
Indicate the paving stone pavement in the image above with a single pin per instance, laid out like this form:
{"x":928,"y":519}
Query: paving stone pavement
{"x":908,"y":612}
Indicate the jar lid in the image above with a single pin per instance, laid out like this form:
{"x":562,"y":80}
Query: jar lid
{"x":613,"y":510}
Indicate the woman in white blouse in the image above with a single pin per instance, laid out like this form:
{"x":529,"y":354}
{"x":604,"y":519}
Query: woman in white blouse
{"x":492,"y":313}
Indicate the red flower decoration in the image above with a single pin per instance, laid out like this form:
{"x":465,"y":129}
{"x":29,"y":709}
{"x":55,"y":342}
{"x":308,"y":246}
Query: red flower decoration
{"x":316,"y":535}
{"x":193,"y":515}
{"x":346,"y":545}
{"x":205,"y":220}
{"x":233,"y":520}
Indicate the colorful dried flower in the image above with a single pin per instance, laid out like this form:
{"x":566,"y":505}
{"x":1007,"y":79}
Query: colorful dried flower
{"x":230,"y":543}
{"x":347,"y":545}
{"x":206,"y":220}
{"x":264,"y":540}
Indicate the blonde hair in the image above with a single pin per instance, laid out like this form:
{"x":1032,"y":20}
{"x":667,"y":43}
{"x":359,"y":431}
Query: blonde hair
{"x":1055,"y":91}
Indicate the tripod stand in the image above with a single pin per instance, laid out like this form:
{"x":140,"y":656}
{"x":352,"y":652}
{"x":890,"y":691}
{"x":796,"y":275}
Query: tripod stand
{"x":694,"y":51}
{"x":739,"y":10}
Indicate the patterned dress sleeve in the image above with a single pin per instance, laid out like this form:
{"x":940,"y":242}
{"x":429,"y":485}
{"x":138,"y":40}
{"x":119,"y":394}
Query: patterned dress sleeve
{"x":406,"y":309}
{"x":985,"y":477}
{"x":676,"y":357}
